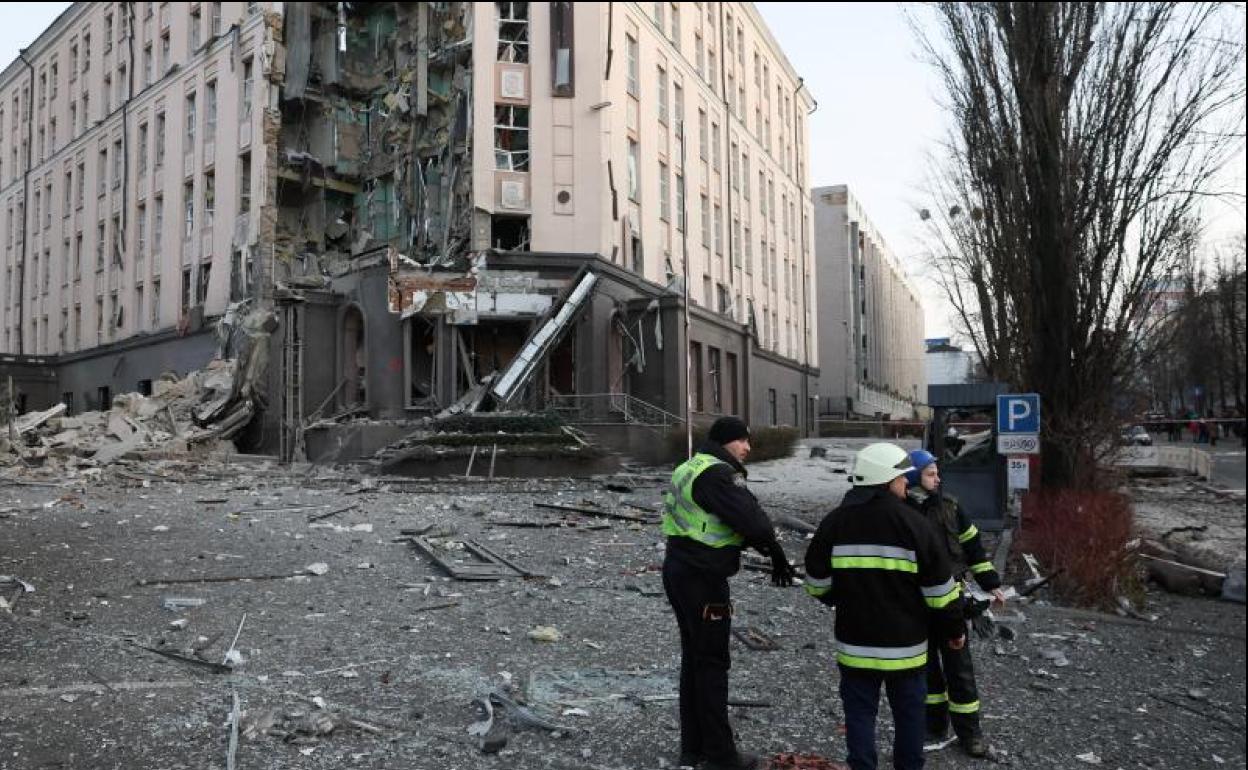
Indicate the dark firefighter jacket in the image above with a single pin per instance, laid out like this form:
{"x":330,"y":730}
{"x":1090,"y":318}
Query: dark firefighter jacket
{"x":959,"y":536}
{"x":721,"y":490}
{"x":887,"y":574}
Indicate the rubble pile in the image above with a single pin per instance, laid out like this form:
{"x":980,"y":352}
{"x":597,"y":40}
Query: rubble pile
{"x":485,"y":440}
{"x":181,"y":415}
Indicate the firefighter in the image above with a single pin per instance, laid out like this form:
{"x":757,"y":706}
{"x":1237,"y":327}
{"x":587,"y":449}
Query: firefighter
{"x":952,"y":696}
{"x":880,"y":564}
{"x":709,"y":517}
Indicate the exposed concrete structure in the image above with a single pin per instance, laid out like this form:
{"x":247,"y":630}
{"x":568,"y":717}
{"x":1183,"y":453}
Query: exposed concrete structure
{"x":423,"y":183}
{"x":871,"y":350}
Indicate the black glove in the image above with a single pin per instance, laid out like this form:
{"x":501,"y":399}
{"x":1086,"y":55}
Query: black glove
{"x":781,"y":570}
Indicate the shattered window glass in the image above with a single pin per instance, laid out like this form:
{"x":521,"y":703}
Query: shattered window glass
{"x":513,"y":32}
{"x":511,"y":138}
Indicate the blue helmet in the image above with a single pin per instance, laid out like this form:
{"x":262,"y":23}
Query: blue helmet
{"x":920,"y":459}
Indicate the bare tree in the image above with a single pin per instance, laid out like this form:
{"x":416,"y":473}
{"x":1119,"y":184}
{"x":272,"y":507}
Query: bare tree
{"x":1085,"y":137}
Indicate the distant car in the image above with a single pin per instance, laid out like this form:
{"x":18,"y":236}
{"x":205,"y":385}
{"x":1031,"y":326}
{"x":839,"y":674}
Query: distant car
{"x":1136,"y":436}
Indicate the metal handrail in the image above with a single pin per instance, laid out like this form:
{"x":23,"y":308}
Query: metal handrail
{"x":633,"y":410}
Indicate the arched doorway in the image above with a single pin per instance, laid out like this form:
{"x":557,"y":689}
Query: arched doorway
{"x":354,"y":371}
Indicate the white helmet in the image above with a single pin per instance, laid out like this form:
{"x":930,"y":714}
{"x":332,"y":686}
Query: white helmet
{"x":879,"y":464}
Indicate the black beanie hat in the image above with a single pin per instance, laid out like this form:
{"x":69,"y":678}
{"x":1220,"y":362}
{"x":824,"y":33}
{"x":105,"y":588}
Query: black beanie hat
{"x":728,"y":429}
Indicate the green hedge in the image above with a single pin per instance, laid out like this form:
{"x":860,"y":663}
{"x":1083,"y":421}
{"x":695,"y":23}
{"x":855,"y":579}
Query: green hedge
{"x":766,"y":443}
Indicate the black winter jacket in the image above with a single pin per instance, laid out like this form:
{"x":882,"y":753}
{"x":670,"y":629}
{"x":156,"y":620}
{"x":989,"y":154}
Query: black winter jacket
{"x":879,"y":562}
{"x":721,"y":490}
{"x":959,"y":535}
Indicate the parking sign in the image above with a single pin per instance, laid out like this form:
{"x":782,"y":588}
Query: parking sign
{"x":1018,"y":413}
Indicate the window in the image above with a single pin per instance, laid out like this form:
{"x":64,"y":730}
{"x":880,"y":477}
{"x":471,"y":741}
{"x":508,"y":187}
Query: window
{"x":100,"y":237}
{"x":140,"y":220}
{"x":680,"y":202}
{"x":245,"y":111}
{"x":734,"y":167}
{"x":81,"y":188}
{"x":158,"y":223}
{"x":147,"y":65}
{"x":771,"y":201}
{"x":138,"y":304}
{"x":678,"y":106}
{"x":741,"y":47}
{"x":142,"y":162}
{"x":101,"y":172}
{"x":244,"y":184}
{"x":712,"y":371}
{"x":192,"y":119}
{"x":68,"y":197}
{"x":719,"y":229}
{"x":665,"y":192}
{"x":676,"y":25}
{"x":108,"y":32}
{"x":164,"y":53}
{"x":86,"y":53}
{"x":186,"y":290}
{"x":736,"y":243}
{"x":513,"y":32}
{"x":73,"y":120}
{"x":703,"y":134}
{"x":210,"y":112}
{"x":749,"y":252}
{"x":715,"y":152}
{"x":216,"y":19}
{"x":695,"y":370}
{"x":52,"y":80}
{"x":210,"y":199}
{"x":196,"y":28}
{"x":201,"y":291}
{"x":116,"y":241}
{"x":160,"y":140}
{"x":631,"y":55}
{"x":155,"y":301}
{"x":663,"y":110}
{"x":188,"y":209}
{"x":704,"y":214}
{"x":712,"y":69}
{"x":117,"y":164}
{"x":634,"y":171}
{"x":86,"y":110}
{"x":700,"y":55}
{"x":660,"y":15}
{"x":78,"y":256}
{"x":511,"y":138}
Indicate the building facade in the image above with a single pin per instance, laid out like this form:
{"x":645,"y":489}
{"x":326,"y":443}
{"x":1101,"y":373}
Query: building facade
{"x":948,"y":364}
{"x":413,"y":188}
{"x":871,"y":348}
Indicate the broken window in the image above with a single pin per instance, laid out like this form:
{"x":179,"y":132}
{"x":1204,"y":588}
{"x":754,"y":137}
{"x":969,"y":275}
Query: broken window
{"x":510,"y":233}
{"x":511,"y":137}
{"x":513,"y":32}
{"x":562,"y":83}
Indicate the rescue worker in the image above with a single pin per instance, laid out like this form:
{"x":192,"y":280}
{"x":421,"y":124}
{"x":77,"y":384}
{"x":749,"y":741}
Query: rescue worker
{"x":952,"y":696}
{"x":709,"y":517}
{"x":880,"y":564}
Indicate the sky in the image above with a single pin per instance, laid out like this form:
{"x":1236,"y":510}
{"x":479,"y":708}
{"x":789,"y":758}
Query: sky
{"x":877,"y":127}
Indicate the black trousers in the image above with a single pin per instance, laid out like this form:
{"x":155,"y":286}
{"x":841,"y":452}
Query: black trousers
{"x":703,"y":614}
{"x":951,"y":692}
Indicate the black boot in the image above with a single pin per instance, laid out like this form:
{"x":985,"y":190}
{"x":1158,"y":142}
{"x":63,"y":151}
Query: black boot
{"x":743,"y":761}
{"x":974,"y":745}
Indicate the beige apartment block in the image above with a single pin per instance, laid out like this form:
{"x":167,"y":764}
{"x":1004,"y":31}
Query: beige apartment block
{"x":415,"y":189}
{"x":872,"y":350}
{"x":128,"y":160}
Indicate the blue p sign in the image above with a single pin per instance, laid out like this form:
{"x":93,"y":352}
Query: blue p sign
{"x":1018,"y":413}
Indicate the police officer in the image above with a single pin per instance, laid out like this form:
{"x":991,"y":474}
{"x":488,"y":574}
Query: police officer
{"x":709,"y":517}
{"x":951,"y":692}
{"x":879,"y":563}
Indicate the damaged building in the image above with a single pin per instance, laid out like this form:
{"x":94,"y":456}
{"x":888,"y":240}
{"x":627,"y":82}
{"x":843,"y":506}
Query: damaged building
{"x":448,"y":207}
